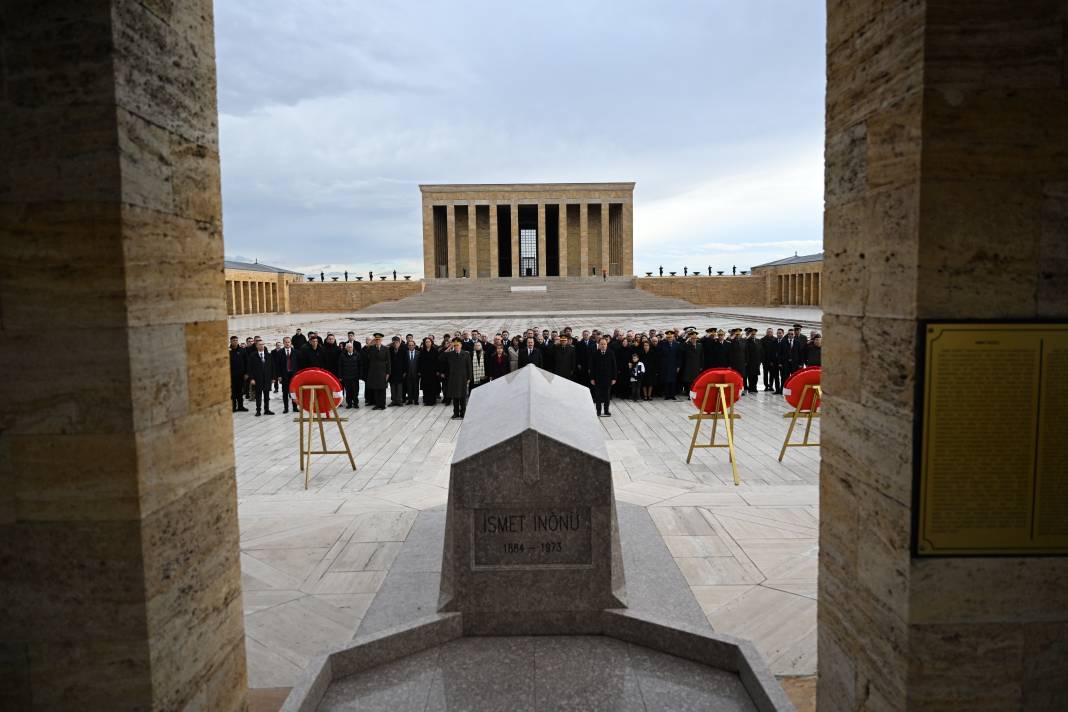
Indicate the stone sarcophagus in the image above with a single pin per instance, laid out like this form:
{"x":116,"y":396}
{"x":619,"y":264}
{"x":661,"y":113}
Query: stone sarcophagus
{"x":531,"y":534}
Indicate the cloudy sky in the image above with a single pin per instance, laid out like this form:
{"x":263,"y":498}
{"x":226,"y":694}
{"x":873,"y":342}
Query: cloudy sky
{"x":333,"y":112}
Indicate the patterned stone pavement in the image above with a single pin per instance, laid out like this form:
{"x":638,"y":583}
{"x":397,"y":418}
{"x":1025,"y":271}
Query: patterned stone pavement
{"x":313,"y":560}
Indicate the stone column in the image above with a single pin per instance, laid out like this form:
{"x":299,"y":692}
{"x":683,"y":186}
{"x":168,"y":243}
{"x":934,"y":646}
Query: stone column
{"x":627,"y":266}
{"x":118,"y":508}
{"x":946,"y":197}
{"x":233,"y":297}
{"x":562,"y":239}
{"x":472,"y":241}
{"x":429,"y":257}
{"x":515,"y":239}
{"x":493,"y":246}
{"x":542,"y":270}
{"x":584,"y":239}
{"x":450,"y":228}
{"x":604,"y":238}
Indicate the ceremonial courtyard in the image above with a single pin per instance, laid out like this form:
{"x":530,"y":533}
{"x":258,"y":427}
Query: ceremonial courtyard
{"x":312,"y":560}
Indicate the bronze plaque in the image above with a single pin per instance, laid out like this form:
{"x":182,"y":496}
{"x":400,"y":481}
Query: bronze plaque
{"x":993,"y":440}
{"x":518,"y":537}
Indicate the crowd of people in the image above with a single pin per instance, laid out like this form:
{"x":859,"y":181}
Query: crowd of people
{"x":625,"y":364}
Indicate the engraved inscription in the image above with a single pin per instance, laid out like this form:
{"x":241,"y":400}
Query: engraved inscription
{"x":519,"y":537}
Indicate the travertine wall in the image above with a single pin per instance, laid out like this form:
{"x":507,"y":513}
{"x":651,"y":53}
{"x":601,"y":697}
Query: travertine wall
{"x":347,"y":296}
{"x":118,"y":522}
{"x":946,"y":196}
{"x":718,"y":291}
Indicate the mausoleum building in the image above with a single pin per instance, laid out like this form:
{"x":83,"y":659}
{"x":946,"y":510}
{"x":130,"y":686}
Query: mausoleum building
{"x":528,"y":230}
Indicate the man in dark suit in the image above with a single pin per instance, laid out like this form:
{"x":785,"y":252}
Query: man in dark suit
{"x":736,"y":354}
{"x":530,"y":353}
{"x":299,"y":340}
{"x":458,"y":377}
{"x":348,"y":366}
{"x":288,"y":364}
{"x":670,"y":363}
{"x":780,"y":368}
{"x":260,"y":369}
{"x":396,"y":372}
{"x":411,"y":373}
{"x":237,"y":375}
{"x":313,"y":355}
{"x":583,"y":349}
{"x":769,"y":350}
{"x":791,"y":354}
{"x":603,"y":372}
{"x":754,"y":356}
{"x":377,"y":371}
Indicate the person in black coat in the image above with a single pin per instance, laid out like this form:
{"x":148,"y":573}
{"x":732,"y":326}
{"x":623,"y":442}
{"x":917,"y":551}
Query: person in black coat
{"x":670,"y":362}
{"x":769,"y":349}
{"x":736,"y":353}
{"x":428,"y":372}
{"x":288,"y":365}
{"x":791,"y":354}
{"x":260,"y":370}
{"x":331,"y":354}
{"x":348,"y":367}
{"x":312,"y":355}
{"x":603,"y":372}
{"x":299,"y":340}
{"x":459,"y":377}
{"x":377,"y":371}
{"x":650,"y":359}
{"x":497,"y":363}
{"x":564,"y":361}
{"x":410,"y":362}
{"x":814,"y":351}
{"x":530,"y":353}
{"x":754,"y":356}
{"x":693,"y":361}
{"x":237,"y":375}
{"x":708,"y":348}
{"x":396,"y":372}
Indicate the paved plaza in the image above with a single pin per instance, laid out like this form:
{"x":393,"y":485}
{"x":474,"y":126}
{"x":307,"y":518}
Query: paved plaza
{"x":313,"y":560}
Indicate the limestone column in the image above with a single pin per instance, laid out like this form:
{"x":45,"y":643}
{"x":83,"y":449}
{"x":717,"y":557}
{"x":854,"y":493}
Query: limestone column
{"x":946,"y":197}
{"x":429,"y":256}
{"x":450,"y":223}
{"x":118,"y":508}
{"x":627,"y":266}
{"x":562,"y":239}
{"x":515,"y":239}
{"x":542,"y":271}
{"x":584,"y":239}
{"x":493,"y":246}
{"x":472,"y":241}
{"x":233,"y":297}
{"x":604,"y":238}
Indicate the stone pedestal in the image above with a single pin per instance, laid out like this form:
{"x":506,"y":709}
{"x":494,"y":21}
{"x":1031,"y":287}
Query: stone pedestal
{"x":531,"y":535}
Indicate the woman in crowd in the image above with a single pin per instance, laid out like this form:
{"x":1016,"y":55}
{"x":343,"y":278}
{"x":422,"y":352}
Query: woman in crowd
{"x":428,"y":372}
{"x":649,"y":358}
{"x":478,"y":366}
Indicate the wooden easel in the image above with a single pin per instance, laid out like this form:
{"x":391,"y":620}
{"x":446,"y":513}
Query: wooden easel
{"x":314,"y":416}
{"x":813,"y":411}
{"x":726,"y":413}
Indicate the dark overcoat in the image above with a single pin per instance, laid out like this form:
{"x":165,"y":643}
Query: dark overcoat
{"x":754,"y":356}
{"x":459,"y":373}
{"x":602,"y":371}
{"x":377,"y":366}
{"x":564,"y":363}
{"x":692,"y":361}
{"x":736,"y":355}
{"x":670,"y":361}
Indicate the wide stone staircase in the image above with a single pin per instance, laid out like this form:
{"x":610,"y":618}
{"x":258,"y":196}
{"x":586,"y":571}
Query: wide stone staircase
{"x":559,"y":294}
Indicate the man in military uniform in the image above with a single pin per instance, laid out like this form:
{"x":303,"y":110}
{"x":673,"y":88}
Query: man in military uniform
{"x":378,"y":365}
